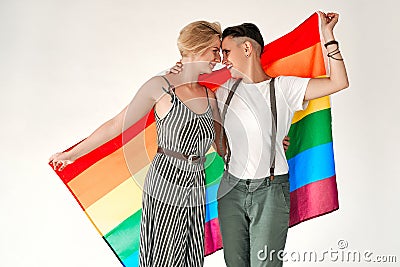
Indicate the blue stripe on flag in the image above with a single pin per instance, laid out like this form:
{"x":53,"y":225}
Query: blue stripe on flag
{"x":311,"y":165}
{"x":211,"y":211}
{"x":132,"y":260}
{"x":211,"y":193}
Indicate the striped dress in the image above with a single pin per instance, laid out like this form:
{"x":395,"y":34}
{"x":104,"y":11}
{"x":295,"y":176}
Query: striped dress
{"x":173,"y":215}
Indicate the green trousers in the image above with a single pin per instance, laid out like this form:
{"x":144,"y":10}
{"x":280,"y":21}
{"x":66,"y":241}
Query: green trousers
{"x":254,"y":219}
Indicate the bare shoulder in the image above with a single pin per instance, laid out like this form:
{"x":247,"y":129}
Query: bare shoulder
{"x":155,"y":84}
{"x":153,"y":88}
{"x":156,"y":81}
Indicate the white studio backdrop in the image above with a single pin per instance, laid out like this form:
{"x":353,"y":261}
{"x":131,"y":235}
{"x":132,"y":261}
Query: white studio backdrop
{"x":68,"y":66}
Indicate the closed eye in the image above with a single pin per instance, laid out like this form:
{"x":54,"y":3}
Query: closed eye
{"x":225,"y":51}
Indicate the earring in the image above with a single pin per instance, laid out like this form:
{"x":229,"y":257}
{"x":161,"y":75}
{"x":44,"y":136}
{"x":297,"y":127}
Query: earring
{"x":247,"y":55}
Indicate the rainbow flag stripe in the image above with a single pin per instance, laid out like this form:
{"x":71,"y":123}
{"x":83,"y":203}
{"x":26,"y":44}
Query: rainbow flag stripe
{"x":109,"y":190}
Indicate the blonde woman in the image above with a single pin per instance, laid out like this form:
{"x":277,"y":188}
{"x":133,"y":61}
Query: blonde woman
{"x":173,"y":214}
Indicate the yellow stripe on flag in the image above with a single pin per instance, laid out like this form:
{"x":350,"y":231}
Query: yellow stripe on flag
{"x":94,"y":182}
{"x":313,"y":106}
{"x":108,"y":212}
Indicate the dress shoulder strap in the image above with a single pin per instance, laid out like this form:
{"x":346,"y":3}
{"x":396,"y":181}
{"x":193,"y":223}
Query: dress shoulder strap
{"x":208,"y":100}
{"x":170,"y":89}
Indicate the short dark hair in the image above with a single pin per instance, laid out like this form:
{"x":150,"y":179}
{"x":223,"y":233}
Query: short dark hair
{"x":245,"y":30}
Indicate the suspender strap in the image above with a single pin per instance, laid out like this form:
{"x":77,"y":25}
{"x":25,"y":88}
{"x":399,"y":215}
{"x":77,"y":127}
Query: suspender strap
{"x":274,"y":127}
{"x":227,"y":102}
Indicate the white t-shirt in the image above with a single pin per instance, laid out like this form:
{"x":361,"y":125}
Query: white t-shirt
{"x":248,"y":123}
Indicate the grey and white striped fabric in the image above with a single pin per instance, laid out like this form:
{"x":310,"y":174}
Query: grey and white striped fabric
{"x":173,"y":214}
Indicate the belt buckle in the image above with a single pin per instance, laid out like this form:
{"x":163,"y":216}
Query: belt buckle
{"x":190,"y":159}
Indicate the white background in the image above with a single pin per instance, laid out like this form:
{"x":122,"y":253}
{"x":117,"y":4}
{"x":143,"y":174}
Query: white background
{"x":68,"y":66}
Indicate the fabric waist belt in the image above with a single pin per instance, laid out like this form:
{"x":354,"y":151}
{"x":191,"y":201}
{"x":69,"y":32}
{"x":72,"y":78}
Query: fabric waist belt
{"x":192,"y":159}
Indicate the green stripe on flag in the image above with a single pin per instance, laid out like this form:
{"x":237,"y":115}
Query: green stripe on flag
{"x":313,"y":130}
{"x":214,"y":168}
{"x":124,"y":238}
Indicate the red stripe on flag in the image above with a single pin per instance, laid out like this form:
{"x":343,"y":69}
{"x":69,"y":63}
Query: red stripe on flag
{"x":215,"y":79}
{"x":212,"y":237}
{"x":304,"y":36}
{"x":313,"y":200}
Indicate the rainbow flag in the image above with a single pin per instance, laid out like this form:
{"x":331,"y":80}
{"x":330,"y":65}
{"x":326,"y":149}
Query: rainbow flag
{"x":108,"y":187}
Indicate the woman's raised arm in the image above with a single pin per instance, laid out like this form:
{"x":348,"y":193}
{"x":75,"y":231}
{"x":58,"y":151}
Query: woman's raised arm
{"x":337,"y":80}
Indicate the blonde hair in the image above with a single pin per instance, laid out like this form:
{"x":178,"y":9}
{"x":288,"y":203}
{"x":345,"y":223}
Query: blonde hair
{"x":196,"y":37}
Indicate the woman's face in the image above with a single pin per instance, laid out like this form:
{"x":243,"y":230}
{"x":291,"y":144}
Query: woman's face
{"x":234,"y":56}
{"x":210,"y":57}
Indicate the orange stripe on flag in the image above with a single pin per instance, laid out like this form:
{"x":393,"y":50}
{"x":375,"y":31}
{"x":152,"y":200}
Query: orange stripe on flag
{"x":94,"y":183}
{"x":295,"y":65}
